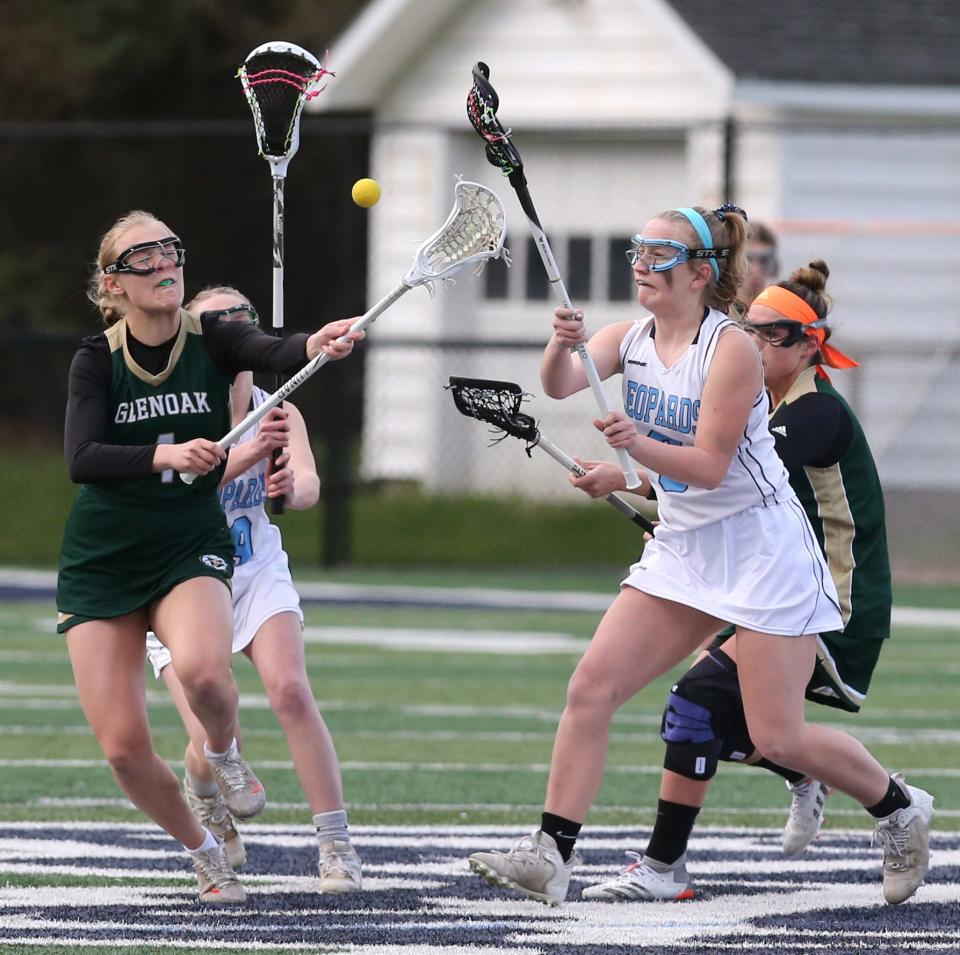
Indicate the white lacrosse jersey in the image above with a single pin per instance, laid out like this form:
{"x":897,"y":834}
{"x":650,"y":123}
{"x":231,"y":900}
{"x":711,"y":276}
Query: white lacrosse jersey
{"x":244,"y":500}
{"x":665,"y":405}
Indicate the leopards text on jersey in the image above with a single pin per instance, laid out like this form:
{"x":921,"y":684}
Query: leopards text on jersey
{"x":664,"y":403}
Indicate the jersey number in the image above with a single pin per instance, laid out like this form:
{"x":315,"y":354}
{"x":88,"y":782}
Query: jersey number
{"x":166,"y":477}
{"x":242,"y":539}
{"x":668,"y":484}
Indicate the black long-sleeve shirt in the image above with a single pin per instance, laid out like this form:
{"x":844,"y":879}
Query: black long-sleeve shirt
{"x":232,"y":346}
{"x":815,"y":430}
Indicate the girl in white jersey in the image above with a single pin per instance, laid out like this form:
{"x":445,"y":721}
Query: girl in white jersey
{"x":733,"y":544}
{"x":268,"y":622}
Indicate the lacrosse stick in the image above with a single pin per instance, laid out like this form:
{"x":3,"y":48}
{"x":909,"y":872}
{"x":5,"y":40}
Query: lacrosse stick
{"x":474,"y":232}
{"x":277,"y":79}
{"x":498,"y":403}
{"x":482,"y":105}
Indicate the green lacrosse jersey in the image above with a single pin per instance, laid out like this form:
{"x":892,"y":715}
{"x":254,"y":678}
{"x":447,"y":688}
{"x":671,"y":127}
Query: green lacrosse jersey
{"x":843,"y":499}
{"x":127,"y":542}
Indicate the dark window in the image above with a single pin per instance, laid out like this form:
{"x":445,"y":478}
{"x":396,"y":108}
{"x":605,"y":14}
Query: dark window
{"x":536,"y":284}
{"x":579,"y":267}
{"x":620,"y":285}
{"x":496,"y":279}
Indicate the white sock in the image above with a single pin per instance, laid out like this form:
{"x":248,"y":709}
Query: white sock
{"x":209,"y":843}
{"x":230,"y":752}
{"x":331,"y":825}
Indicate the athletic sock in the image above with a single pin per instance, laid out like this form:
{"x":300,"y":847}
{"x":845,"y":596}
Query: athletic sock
{"x":564,"y":832}
{"x":211,"y":755}
{"x":790,"y":775}
{"x":331,"y":825}
{"x":895,"y":799}
{"x":210,"y":842}
{"x":671,"y":831}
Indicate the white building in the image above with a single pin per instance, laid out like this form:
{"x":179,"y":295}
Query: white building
{"x":838,"y":123}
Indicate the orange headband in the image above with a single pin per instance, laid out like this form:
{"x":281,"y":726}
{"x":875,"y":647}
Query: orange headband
{"x":794,"y":308}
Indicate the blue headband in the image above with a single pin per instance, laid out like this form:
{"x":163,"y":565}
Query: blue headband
{"x":703,"y":230}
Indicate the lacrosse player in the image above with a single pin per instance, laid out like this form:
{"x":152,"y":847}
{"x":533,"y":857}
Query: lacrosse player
{"x":734,"y":545}
{"x":762,"y":262}
{"x":142,"y":550}
{"x":827,"y":457}
{"x":267,"y":620}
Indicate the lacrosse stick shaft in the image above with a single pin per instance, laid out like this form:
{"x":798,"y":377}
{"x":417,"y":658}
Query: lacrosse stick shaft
{"x":590,"y":369}
{"x":278,"y":251}
{"x":295,"y":381}
{"x":618,"y":502}
{"x":277,"y":504}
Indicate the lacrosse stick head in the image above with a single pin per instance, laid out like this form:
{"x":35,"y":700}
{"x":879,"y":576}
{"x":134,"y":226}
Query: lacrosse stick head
{"x":277,"y":79}
{"x":482,"y":105}
{"x":473,"y":233}
{"x":497,"y":403}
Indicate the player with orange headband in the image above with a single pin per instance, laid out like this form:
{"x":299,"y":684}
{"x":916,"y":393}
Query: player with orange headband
{"x":832,"y":471}
{"x":793,"y":318}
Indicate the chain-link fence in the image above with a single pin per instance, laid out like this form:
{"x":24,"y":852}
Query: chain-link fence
{"x":881,"y":206}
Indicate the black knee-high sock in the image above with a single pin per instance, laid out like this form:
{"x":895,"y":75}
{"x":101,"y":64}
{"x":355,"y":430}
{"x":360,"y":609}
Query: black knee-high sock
{"x":790,"y":775}
{"x":895,"y":799}
{"x":671,"y":831}
{"x":563,"y":831}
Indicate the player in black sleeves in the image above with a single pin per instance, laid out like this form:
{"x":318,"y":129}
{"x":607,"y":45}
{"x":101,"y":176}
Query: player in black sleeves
{"x":148,"y":398}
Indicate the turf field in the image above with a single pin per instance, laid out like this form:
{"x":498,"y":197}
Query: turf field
{"x":444,"y":720}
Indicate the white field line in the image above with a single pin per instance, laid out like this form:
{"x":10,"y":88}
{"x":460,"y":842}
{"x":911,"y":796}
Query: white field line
{"x":90,"y":802}
{"x":536,"y":928}
{"x":30,"y":697}
{"x":400,"y":766}
{"x":452,"y":865}
{"x":43,"y":582}
{"x":873,"y":733}
{"x":499,"y":642}
{"x":711,"y":838}
{"x":47,"y":696}
{"x":868,"y":734}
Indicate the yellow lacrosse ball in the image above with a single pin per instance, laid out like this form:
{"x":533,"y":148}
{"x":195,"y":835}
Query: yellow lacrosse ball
{"x":366,"y":193}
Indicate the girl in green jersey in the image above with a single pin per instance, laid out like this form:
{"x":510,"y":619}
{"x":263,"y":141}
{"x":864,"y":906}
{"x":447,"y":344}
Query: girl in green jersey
{"x":149,"y":397}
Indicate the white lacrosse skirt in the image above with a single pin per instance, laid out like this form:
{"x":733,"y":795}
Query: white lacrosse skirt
{"x":760,"y":568}
{"x":257,"y":598}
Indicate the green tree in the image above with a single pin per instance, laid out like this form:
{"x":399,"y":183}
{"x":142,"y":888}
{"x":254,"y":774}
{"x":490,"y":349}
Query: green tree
{"x":112,"y":59}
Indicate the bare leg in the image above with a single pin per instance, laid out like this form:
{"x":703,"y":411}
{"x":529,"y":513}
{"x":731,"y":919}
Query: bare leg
{"x":773,"y":673}
{"x":277,"y":653}
{"x":194,"y":760}
{"x":639,"y":639}
{"x":108,"y":664}
{"x":195,"y":622}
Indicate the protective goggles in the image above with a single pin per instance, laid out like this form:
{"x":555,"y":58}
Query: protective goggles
{"x":660,"y":255}
{"x":781,"y":333}
{"x":228,"y":313}
{"x":766,"y":261}
{"x":146,"y":257}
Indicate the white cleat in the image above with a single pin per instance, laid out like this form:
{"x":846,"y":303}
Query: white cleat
{"x":212,"y":813}
{"x":216,"y":880}
{"x":241,"y":790}
{"x":645,"y":880}
{"x":808,"y":798}
{"x":905,"y":838}
{"x":339,"y":867}
{"x":533,"y":867}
